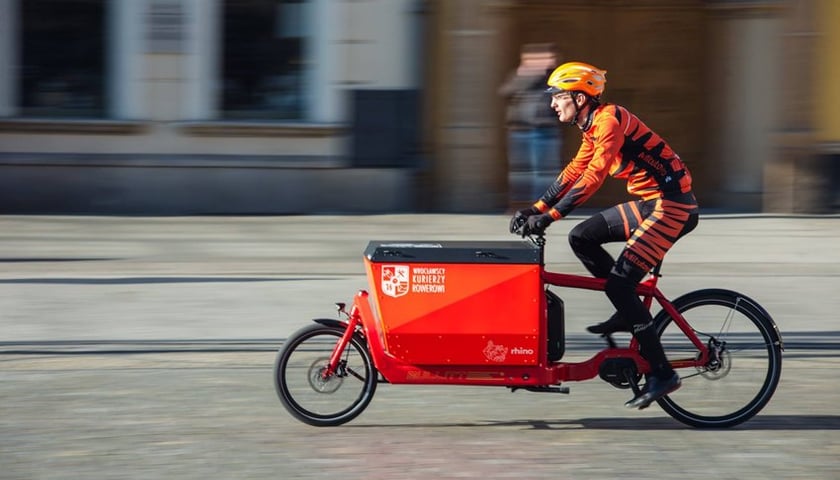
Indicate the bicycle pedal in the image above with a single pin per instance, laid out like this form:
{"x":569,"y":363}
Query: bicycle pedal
{"x":609,"y":339}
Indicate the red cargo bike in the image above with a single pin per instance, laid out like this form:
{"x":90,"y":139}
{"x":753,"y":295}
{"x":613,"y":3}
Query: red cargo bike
{"x":486,"y":313}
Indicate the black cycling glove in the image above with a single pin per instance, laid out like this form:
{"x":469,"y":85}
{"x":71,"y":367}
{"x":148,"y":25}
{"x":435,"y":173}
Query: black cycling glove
{"x":536,"y":224}
{"x":520,"y":218}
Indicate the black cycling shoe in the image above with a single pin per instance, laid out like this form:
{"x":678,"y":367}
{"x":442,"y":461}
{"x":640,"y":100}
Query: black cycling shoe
{"x":612,"y":325}
{"x":654,"y":389}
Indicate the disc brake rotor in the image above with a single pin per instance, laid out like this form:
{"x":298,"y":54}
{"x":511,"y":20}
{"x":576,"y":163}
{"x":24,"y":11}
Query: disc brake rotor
{"x":320,"y":382}
{"x":719,"y":364}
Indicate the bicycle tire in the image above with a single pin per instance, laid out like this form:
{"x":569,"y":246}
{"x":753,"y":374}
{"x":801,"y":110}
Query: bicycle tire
{"x":751,"y":352}
{"x":308,"y":396}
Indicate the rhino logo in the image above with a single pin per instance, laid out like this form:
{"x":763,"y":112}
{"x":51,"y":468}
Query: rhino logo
{"x":495,"y":353}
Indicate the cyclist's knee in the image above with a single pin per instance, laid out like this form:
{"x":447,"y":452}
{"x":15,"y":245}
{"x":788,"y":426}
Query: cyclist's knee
{"x":579,"y":237}
{"x":689,"y":225}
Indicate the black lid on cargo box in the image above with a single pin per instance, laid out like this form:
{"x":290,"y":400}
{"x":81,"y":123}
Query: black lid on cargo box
{"x":424,"y":251}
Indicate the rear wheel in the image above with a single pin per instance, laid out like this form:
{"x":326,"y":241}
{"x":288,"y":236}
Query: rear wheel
{"x":745,"y":365}
{"x":311,"y":395}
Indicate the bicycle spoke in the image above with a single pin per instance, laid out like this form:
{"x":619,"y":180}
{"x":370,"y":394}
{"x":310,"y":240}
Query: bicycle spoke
{"x":355,"y":374}
{"x":759,"y":347}
{"x":727,"y":321}
{"x":684,"y":377}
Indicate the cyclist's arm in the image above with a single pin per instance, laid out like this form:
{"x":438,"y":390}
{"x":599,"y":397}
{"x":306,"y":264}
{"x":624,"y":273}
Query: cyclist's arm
{"x":567,"y":177}
{"x":602,"y":150}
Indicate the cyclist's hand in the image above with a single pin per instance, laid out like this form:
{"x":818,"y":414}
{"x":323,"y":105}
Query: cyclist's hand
{"x":536,"y":224}
{"x":520,"y":218}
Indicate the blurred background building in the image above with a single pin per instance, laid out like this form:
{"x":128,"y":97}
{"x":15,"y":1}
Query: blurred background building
{"x":368,"y":106}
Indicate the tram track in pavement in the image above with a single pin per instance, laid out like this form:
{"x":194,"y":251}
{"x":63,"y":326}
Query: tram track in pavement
{"x":798,"y":344}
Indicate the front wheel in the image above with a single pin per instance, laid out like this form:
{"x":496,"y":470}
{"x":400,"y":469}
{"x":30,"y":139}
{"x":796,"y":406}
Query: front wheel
{"x":745,"y":365}
{"x":308,"y":392}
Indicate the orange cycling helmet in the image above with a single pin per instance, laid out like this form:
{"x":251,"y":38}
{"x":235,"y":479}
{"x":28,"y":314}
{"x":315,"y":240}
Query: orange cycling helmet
{"x":578,"y":77}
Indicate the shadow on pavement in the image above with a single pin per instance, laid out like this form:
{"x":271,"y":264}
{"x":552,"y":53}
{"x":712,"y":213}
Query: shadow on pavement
{"x":761,"y":422}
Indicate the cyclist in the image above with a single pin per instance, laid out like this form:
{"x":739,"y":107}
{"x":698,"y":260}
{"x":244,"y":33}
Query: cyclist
{"x":615,"y":142}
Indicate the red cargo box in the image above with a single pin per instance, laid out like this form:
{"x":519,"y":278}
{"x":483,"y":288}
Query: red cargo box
{"x":458,"y":303}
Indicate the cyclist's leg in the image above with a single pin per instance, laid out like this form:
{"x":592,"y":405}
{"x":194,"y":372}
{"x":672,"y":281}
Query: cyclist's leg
{"x":611,"y":225}
{"x":666,"y":223}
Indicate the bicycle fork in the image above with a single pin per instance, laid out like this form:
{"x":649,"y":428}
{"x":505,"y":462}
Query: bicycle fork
{"x":353,"y":321}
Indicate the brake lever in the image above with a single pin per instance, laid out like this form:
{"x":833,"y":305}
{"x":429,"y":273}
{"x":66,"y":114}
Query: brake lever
{"x":520,"y":226}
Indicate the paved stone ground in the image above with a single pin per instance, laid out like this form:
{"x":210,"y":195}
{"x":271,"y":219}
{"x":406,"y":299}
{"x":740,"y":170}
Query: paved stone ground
{"x":143,"y":348}
{"x":199,"y":416}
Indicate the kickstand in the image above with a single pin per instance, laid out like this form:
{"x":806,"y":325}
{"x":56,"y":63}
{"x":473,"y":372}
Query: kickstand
{"x":609,"y":339}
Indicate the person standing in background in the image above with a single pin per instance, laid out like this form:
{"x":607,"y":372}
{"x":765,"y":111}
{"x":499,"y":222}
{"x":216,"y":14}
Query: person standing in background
{"x":533,"y":136}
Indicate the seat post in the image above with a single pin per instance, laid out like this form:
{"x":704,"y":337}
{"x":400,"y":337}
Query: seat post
{"x":655,"y":270}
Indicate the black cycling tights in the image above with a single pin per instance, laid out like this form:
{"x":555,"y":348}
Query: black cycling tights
{"x":650,"y":228}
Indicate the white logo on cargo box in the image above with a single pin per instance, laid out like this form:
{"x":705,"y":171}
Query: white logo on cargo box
{"x":395,"y":280}
{"x":495,"y":353}
{"x":428,"y":280}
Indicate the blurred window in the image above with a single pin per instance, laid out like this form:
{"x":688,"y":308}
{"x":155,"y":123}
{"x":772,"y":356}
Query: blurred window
{"x":263,"y":59}
{"x":63,"y":55}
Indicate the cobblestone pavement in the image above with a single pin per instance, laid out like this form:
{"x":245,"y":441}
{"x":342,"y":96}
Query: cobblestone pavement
{"x":143,"y":348}
{"x":200,"y":416}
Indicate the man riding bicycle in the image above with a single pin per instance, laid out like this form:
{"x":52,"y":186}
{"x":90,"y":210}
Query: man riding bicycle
{"x":615,"y":142}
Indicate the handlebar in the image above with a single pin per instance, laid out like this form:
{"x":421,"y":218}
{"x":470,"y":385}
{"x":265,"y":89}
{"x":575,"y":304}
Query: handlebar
{"x":519,"y":229}
{"x":537,"y":239}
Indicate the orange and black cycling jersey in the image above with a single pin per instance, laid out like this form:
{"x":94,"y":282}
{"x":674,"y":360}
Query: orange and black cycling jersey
{"x":619,"y":144}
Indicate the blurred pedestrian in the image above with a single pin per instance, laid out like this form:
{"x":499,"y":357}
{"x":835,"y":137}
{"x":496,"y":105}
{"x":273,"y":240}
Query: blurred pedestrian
{"x":533,"y":134}
{"x":615,"y":142}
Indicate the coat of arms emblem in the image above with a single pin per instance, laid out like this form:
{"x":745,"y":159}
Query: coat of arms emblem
{"x":395,"y":280}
